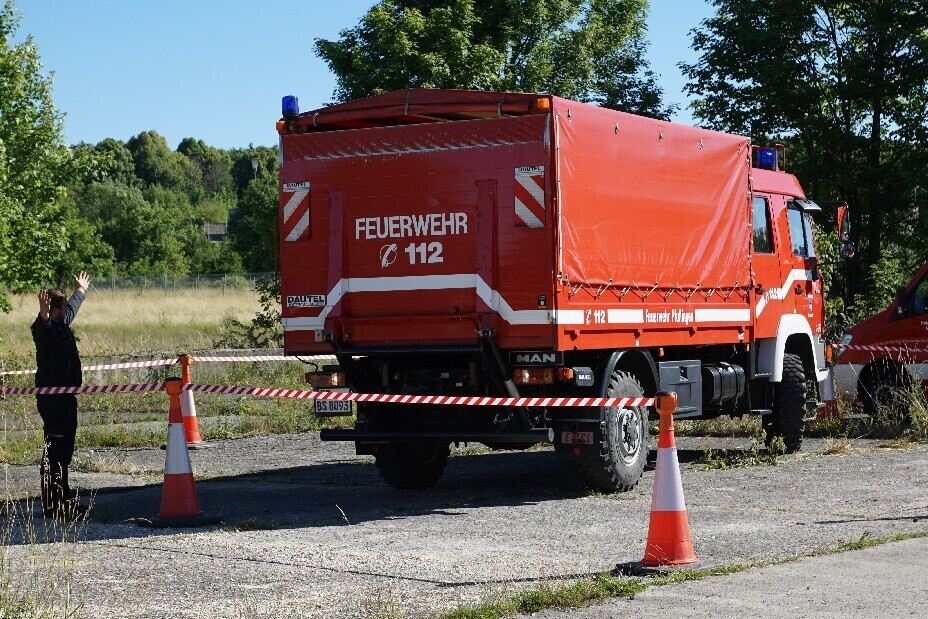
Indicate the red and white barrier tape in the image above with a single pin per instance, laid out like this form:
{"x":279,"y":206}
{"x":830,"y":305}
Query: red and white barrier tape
{"x":256,"y":358}
{"x":151,"y":363}
{"x":84,"y":389}
{"x":443,"y":400}
{"x":300,"y":394}
{"x":881,"y":348}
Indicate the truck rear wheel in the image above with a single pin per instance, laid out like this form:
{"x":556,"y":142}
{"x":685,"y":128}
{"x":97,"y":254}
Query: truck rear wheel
{"x":789,"y":406}
{"x":616,"y":464}
{"x":412,"y":465}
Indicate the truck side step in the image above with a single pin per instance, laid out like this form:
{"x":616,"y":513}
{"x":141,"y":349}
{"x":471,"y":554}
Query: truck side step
{"x":530,"y":436}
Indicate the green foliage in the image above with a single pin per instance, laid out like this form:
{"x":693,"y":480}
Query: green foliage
{"x":264,"y":330}
{"x":116,"y":163}
{"x":253,"y":229}
{"x":214,"y":165}
{"x":590,"y":50}
{"x":243,"y":172}
{"x":845,"y":85}
{"x":34,"y":164}
{"x":157,"y":164}
{"x":86,"y":248}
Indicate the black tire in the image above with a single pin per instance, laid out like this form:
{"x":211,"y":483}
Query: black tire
{"x":617,"y":462}
{"x":412,"y":465}
{"x":787,"y":421}
{"x":883,"y":390}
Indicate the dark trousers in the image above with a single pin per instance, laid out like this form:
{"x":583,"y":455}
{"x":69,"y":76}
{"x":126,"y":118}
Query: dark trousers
{"x":59,"y":417}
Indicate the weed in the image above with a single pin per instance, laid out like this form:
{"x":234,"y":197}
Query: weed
{"x":724,"y":426}
{"x":574,"y":595}
{"x":384,"y":605}
{"x":833,"y":446}
{"x":755,"y":455}
{"x":35,"y":563}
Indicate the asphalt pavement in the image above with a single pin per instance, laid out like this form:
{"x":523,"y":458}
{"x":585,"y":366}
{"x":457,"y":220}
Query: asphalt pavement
{"x":312,"y":531}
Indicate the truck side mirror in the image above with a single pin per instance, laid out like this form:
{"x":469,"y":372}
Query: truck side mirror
{"x":844,"y":232}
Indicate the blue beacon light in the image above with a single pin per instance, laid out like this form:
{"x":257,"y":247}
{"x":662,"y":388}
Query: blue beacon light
{"x":290,"y":107}
{"x":767,"y":158}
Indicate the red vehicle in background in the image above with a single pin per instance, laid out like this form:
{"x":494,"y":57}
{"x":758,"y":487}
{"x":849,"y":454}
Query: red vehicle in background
{"x":510,"y":244}
{"x":889,"y":351}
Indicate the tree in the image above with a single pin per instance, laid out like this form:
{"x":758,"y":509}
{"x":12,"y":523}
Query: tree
{"x":157,"y":164}
{"x":86,"y":248}
{"x":243,"y":170}
{"x":117,"y":164}
{"x":215,"y":165}
{"x":589,"y":50}
{"x":253,"y":228}
{"x":845,"y":83}
{"x":34,"y":164}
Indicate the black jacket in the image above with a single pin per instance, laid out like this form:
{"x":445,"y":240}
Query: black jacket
{"x":57,"y":360}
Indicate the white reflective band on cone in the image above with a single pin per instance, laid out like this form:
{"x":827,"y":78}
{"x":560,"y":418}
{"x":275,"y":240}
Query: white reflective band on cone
{"x":668,"y":489}
{"x":187,"y":406}
{"x":177,"y":459}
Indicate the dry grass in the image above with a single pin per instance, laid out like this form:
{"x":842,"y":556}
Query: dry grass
{"x":36,"y":561}
{"x":833,"y":446}
{"x":123,"y":322}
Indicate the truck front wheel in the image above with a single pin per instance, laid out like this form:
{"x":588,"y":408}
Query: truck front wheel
{"x":412,"y":465}
{"x":617,"y":462}
{"x":789,"y":406}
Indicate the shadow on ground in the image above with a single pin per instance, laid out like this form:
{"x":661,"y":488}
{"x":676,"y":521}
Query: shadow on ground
{"x":339,"y":492}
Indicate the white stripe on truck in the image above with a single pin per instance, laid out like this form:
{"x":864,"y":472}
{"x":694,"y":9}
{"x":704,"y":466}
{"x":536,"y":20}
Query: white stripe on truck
{"x":492,"y":298}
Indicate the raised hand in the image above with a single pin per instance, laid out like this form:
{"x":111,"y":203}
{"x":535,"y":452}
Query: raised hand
{"x":82,"y":281}
{"x":44,"y":304}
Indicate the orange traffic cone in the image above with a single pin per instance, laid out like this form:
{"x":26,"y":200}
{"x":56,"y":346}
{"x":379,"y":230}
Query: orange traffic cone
{"x":669,"y":540}
{"x":188,"y":408}
{"x":179,"y":504}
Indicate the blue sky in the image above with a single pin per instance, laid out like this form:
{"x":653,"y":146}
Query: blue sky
{"x":216,"y":69}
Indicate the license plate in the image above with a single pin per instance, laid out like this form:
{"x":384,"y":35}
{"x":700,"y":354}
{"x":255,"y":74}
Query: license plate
{"x":334,"y":408}
{"x":577,"y":438}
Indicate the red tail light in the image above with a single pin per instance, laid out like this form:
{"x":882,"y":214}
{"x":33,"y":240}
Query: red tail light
{"x":533,"y":376}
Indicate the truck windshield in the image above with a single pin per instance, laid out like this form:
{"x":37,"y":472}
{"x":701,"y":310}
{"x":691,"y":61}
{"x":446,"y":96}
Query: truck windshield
{"x":800,"y":232}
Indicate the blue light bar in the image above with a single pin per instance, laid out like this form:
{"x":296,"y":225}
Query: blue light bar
{"x":290,"y":107}
{"x":767,"y":158}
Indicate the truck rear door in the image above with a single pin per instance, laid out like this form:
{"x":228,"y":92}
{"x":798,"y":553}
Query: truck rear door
{"x":418,"y":234}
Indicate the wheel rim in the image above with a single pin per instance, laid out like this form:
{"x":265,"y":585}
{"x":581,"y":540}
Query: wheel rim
{"x":628,"y":421}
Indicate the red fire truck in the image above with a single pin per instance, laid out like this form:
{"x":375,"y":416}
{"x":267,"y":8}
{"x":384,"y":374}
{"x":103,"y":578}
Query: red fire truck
{"x":887,"y":354}
{"x":487,"y":243}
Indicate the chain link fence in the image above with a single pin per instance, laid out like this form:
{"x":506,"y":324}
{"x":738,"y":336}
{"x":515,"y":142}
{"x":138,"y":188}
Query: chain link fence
{"x":167,"y":282}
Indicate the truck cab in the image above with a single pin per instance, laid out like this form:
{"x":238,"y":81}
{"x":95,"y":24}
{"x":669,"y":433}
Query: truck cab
{"x":888,"y":352}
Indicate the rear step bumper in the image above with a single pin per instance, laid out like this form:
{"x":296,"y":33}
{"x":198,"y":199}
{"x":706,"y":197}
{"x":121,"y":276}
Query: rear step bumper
{"x":360,"y":436}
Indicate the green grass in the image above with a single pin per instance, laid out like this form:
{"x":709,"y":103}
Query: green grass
{"x":574,"y":595}
{"x":605,"y":586}
{"x":139,"y":420}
